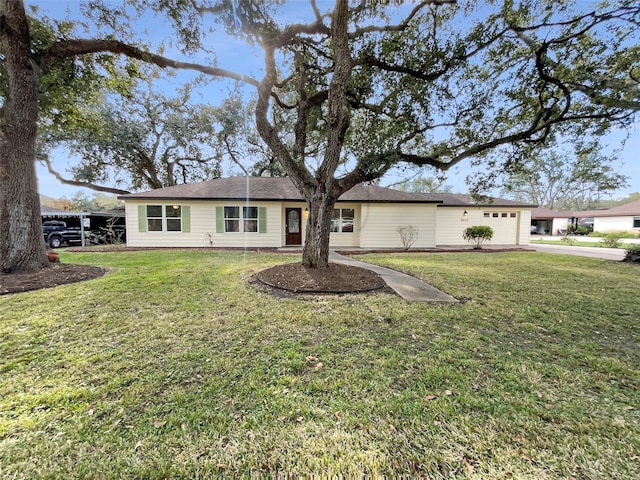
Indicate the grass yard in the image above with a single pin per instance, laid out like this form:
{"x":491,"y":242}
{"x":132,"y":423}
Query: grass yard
{"x":172,"y":366}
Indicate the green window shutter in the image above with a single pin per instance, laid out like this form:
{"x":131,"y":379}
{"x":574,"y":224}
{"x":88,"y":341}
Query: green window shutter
{"x":186,"y":218}
{"x":219,"y":219}
{"x":262,"y":219}
{"x":142,"y":218}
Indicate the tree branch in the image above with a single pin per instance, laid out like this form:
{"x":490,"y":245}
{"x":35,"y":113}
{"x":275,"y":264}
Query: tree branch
{"x":76,"y":183}
{"x":404,"y":23}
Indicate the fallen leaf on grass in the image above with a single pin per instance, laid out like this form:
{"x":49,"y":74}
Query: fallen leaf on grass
{"x":159,"y":423}
{"x":448,"y":393}
{"x":469,"y":467}
{"x":430,"y":397}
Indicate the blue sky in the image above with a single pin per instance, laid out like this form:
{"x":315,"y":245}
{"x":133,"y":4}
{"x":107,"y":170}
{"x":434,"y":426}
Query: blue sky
{"x":237,"y":56}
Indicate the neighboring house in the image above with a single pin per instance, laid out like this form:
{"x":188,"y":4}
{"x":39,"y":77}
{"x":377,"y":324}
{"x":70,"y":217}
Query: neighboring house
{"x":621,"y":218}
{"x":615,"y":219}
{"x":270,"y":212}
{"x":549,"y":222}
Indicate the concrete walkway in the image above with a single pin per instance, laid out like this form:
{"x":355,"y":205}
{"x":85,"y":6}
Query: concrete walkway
{"x":616,"y":254}
{"x":408,"y":287}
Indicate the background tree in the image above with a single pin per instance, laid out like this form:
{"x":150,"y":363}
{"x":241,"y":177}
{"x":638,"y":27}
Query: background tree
{"x":81,"y":202}
{"x":632,"y":197}
{"x":424,"y":185}
{"x":238,"y":144}
{"x":563,"y":181}
{"x":144,"y":140}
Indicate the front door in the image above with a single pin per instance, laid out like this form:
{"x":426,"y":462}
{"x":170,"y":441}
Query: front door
{"x":293,"y":226}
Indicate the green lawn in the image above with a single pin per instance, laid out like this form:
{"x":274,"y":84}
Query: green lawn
{"x":172,"y":366}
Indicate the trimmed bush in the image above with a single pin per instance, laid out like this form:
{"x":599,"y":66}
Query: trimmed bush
{"x":611,"y":240}
{"x":633,"y":253}
{"x":477,"y":235}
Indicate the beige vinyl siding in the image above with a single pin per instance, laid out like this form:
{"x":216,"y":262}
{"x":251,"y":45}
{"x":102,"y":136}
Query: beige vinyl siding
{"x":524,"y":217}
{"x":451,"y":223}
{"x":379,"y":223}
{"x":507,"y":230}
{"x":202,"y":227}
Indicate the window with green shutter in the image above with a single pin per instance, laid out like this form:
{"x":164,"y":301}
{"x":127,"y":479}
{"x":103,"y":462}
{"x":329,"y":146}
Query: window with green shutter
{"x":164,"y":218}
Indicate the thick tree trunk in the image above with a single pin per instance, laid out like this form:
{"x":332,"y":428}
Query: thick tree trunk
{"x":22,"y":246}
{"x":315,"y":253}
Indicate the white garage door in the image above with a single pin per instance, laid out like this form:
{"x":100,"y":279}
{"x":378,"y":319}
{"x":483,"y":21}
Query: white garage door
{"x":504,"y":225}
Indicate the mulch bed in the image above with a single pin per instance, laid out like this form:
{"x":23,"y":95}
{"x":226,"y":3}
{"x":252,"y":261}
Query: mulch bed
{"x":56,"y":274}
{"x":337,"y":278}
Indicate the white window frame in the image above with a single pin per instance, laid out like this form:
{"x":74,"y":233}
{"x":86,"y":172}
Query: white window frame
{"x":163,"y":218}
{"x":242,"y":219}
{"x":342,"y":221}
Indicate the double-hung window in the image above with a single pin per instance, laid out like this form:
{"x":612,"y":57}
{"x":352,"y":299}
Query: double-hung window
{"x":231,"y":219}
{"x":164,"y":218}
{"x":154,"y":218}
{"x":173,"y":214}
{"x":241,"y":219}
{"x":342,"y":220}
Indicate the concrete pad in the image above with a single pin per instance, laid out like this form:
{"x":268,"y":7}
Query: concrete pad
{"x":408,"y":287}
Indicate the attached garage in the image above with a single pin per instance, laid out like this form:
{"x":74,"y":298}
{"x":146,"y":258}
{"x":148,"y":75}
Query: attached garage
{"x":509,"y":220}
{"x":505,"y":225}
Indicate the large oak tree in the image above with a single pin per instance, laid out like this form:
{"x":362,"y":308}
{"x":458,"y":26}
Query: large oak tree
{"x":368,"y":86}
{"x":140,"y":141}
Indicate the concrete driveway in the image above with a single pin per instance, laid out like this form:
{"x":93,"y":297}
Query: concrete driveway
{"x":593,"y":252}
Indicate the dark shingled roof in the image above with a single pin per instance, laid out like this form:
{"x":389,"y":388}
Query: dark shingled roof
{"x":283,"y":189}
{"x":465,"y":200}
{"x":628,"y":209}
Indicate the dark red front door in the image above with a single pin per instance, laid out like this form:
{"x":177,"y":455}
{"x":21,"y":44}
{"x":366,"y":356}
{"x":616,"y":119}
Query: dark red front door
{"x":293,"y":226}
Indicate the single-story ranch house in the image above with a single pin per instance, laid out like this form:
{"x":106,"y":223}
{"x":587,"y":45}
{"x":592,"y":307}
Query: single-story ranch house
{"x":255,"y":212}
{"x":622,"y":218}
{"x":615,"y":219}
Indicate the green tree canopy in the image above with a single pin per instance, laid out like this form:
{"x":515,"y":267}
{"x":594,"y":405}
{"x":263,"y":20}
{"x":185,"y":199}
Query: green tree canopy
{"x":142,"y":140}
{"x":563,"y":181}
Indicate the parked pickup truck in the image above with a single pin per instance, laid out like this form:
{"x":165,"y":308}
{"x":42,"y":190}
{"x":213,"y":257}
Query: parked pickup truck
{"x":56,"y":233}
